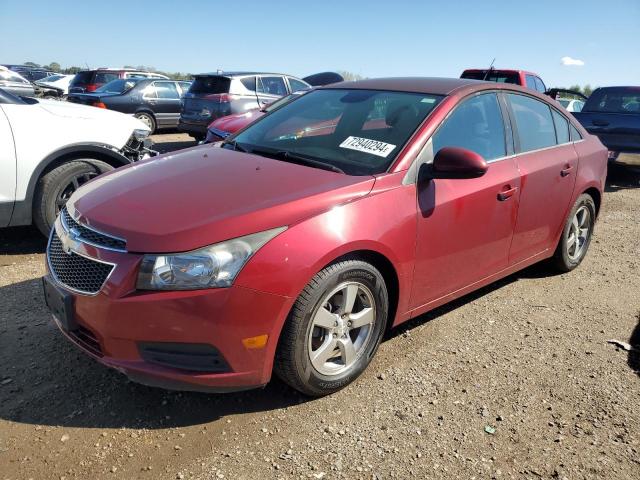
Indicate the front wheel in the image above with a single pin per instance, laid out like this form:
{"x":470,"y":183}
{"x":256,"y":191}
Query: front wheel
{"x":576,"y":235}
{"x":334,"y":328}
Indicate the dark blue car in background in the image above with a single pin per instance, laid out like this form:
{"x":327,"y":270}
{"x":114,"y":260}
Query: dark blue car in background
{"x":155,"y":102}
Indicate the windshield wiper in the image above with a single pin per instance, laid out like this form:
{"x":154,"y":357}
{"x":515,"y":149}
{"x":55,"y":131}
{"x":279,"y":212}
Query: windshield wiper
{"x":297,"y":158}
{"x":235,"y":145}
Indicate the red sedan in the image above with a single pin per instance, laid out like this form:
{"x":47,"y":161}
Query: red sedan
{"x":291,"y":251}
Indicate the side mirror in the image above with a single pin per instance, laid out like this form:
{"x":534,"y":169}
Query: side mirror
{"x":455,"y":162}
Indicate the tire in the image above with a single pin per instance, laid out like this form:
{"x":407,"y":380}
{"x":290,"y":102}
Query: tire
{"x":579,"y":225}
{"x":323,"y":302}
{"x":148,"y":119}
{"x":56,"y":186}
{"x":197,"y":137}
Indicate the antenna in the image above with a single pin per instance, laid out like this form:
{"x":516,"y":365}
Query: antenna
{"x":486,"y":74}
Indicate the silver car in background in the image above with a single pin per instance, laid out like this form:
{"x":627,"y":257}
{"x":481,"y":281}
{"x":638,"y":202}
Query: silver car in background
{"x":15,"y":83}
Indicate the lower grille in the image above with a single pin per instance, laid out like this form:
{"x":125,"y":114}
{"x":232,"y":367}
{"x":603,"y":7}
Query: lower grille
{"x":87,"y":340}
{"x":195,"y":357}
{"x":74,"y":271}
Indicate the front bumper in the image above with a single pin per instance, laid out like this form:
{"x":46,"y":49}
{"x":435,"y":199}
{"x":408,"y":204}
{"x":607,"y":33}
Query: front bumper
{"x":115,"y":325}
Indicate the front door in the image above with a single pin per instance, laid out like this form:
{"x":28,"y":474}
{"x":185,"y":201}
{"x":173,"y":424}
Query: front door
{"x":465,"y":226}
{"x":548,"y":165}
{"x":167,"y":103}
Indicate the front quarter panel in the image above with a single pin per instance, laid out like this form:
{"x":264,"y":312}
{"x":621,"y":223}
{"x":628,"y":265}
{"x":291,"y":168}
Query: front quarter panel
{"x":383,"y":222}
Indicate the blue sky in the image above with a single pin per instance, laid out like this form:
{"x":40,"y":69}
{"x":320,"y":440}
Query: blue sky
{"x":372,"y":38}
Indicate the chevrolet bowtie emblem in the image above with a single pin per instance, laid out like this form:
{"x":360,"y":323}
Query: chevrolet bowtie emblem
{"x":69,"y":239}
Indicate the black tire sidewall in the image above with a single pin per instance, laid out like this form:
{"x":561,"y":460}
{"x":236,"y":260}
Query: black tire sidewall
{"x":315,"y":381}
{"x":562,"y":255}
{"x":54,"y":182}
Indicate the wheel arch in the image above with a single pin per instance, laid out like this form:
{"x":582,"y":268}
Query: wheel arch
{"x":22,"y":213}
{"x":597,"y":197}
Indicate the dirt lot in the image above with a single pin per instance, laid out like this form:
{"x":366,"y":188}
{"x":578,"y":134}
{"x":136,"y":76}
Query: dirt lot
{"x":514,"y":381}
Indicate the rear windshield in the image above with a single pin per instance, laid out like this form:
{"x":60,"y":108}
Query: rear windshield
{"x":119,"y":86}
{"x":210,"y":84}
{"x":614,"y":100}
{"x":492,"y":76}
{"x":102,"y":77}
{"x":82,"y":78}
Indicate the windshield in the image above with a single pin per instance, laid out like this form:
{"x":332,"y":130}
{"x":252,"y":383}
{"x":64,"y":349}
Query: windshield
{"x":278,"y":103}
{"x":614,"y":100}
{"x":357,"y":131}
{"x":118,"y":86}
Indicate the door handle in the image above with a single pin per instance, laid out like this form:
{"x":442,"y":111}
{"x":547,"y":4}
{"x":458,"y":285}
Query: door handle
{"x":507,"y":193}
{"x":566,"y":171}
{"x":600,"y":123}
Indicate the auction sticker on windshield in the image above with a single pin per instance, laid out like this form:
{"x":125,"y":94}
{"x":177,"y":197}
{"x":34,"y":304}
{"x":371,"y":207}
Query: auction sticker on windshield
{"x":366,"y":145}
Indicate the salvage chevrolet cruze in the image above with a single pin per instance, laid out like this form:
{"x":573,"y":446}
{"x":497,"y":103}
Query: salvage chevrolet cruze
{"x":295,"y":244}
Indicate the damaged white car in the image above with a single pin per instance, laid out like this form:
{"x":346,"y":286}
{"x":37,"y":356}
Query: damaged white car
{"x":49,"y":148}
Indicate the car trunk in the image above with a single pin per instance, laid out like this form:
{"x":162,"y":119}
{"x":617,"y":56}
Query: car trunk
{"x":207,"y":99}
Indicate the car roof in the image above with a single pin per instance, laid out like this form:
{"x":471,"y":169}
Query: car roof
{"x":433,"y":85}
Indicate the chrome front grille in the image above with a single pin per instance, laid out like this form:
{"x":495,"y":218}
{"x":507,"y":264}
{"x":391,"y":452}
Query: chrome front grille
{"x":90,"y":236}
{"x":78,"y":273}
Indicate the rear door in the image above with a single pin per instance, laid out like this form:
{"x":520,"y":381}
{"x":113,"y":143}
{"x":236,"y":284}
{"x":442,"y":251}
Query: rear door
{"x":270,"y":88}
{"x":465,"y":226}
{"x":548,"y":164}
{"x":7,"y":170}
{"x":167,"y":103}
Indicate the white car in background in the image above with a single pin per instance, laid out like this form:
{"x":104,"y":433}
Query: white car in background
{"x":49,"y":148}
{"x":571,"y":105}
{"x":54,"y":86}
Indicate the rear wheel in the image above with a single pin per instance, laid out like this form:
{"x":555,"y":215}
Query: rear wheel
{"x":576,"y":235}
{"x":148,"y":119}
{"x":334,"y":329}
{"x":55,"y":188}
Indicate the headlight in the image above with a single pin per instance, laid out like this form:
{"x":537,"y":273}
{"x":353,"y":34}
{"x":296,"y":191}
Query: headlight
{"x":140,"y":134}
{"x":209,"y":267}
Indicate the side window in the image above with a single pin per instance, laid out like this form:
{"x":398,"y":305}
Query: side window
{"x":249,"y":83}
{"x":540,"y":85}
{"x":167,"y":90}
{"x":476,"y":125}
{"x":272,"y":86}
{"x":533,"y":121}
{"x":562,"y":127}
{"x":297,"y":85}
{"x":184,"y":87}
{"x":575,"y":134}
{"x":149,"y":91}
{"x":531,"y":82}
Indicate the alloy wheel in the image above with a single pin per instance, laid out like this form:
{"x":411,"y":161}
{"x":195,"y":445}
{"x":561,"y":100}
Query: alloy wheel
{"x":578,"y":234}
{"x":341,"y":328}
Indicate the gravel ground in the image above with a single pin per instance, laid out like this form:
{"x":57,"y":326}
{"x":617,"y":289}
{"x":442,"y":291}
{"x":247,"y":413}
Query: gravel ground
{"x":514,"y":381}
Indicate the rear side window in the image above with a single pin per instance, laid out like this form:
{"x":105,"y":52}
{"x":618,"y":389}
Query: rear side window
{"x":531,"y":82}
{"x":575,"y":134}
{"x":533,"y":121}
{"x":167,"y":90}
{"x":540,"y":85}
{"x":614,"y":100}
{"x":249,"y":83}
{"x":476,"y":125}
{"x":272,"y":86}
{"x":297,"y":85}
{"x":207,"y":85}
{"x":562,"y":127}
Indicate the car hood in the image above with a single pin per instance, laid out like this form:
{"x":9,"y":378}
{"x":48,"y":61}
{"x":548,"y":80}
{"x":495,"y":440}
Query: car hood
{"x":204,"y":195}
{"x":233,"y":123}
{"x":85,"y":112}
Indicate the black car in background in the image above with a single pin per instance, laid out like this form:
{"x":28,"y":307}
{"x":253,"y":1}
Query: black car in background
{"x":155,"y":102}
{"x":613,"y":115}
